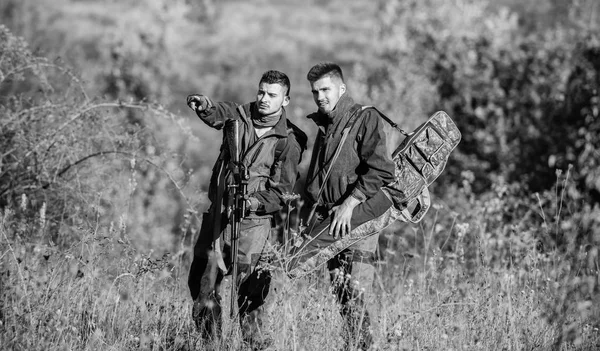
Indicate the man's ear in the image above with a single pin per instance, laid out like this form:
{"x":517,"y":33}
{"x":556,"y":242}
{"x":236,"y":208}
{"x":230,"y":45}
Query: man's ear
{"x":286,"y":100}
{"x":342,"y":89}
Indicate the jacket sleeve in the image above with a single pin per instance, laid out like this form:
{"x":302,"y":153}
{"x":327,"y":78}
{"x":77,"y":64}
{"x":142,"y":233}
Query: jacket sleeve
{"x":375,"y":158}
{"x":283,"y":178}
{"x":217,"y":113}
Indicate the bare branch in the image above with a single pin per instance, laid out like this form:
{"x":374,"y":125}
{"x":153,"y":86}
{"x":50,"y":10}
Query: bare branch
{"x":129,"y":154}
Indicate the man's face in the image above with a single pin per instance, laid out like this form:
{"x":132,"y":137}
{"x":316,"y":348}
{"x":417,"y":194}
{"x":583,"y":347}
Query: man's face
{"x":270,"y":98}
{"x":327,"y":91}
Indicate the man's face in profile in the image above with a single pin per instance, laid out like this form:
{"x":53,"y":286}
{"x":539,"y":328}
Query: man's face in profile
{"x":270,"y":98}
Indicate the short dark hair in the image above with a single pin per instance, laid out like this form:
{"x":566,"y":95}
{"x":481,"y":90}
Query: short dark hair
{"x":276,"y":77}
{"x":324,"y":69}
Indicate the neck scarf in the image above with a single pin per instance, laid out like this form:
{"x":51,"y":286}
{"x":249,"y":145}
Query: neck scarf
{"x":266,"y":121}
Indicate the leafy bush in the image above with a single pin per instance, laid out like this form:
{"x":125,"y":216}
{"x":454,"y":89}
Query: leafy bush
{"x":526,"y":103}
{"x":75,"y":158}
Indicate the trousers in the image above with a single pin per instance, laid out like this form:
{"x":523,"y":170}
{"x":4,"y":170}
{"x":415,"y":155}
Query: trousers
{"x":352,"y":271}
{"x":205,"y":278}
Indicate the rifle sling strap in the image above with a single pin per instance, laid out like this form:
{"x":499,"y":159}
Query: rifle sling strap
{"x":387,"y":119}
{"x":347,"y":128}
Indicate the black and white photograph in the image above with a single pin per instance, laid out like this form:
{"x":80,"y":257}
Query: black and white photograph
{"x":319,"y":175}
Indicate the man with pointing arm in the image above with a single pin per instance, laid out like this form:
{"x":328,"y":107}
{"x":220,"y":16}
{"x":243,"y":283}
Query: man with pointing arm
{"x":270,"y":150}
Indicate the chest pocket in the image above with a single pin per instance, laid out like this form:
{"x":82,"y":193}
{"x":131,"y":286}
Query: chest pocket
{"x":260,"y":159}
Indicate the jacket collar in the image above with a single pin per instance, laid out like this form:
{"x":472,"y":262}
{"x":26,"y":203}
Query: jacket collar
{"x":336,"y":115}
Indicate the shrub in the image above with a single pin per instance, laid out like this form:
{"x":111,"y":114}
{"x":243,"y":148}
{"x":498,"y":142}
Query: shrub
{"x":80,"y":158}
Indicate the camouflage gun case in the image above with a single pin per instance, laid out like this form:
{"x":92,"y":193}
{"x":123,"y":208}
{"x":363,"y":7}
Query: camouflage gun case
{"x":420,"y":159}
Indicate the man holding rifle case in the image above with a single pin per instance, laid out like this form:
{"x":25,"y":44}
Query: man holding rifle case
{"x":257,"y":164}
{"x":349,"y":165}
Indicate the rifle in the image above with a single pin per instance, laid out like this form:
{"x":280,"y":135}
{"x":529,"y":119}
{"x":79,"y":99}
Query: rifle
{"x":237,"y":204}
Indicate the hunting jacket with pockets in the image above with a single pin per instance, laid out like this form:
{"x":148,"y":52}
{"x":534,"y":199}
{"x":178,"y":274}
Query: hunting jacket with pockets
{"x":270,"y":175}
{"x":364,"y":164}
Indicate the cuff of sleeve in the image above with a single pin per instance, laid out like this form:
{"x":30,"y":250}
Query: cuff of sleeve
{"x":253,"y":204}
{"x":359,"y":195}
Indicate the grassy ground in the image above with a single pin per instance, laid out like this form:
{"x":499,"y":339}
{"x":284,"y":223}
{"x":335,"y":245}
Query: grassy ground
{"x":102,"y":294}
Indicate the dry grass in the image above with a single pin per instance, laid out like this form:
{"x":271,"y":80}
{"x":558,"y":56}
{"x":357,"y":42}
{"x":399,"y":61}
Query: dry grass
{"x":103,"y":294}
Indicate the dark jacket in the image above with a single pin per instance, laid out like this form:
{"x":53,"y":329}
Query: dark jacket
{"x":364,"y":164}
{"x":270,"y":176}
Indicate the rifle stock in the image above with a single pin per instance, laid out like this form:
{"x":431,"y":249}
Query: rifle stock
{"x":239,"y":210}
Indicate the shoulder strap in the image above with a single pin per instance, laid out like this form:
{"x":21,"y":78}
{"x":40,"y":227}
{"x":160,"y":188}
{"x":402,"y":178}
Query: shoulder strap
{"x":281,"y":144}
{"x":356,"y":109}
{"x":355,"y":113}
{"x":387,"y":119}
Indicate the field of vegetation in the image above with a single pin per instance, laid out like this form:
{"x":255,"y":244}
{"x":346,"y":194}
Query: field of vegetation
{"x":104,"y":173}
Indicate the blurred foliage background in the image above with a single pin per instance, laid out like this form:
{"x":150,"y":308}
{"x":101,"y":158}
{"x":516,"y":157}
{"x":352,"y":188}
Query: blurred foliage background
{"x":521,"y":81}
